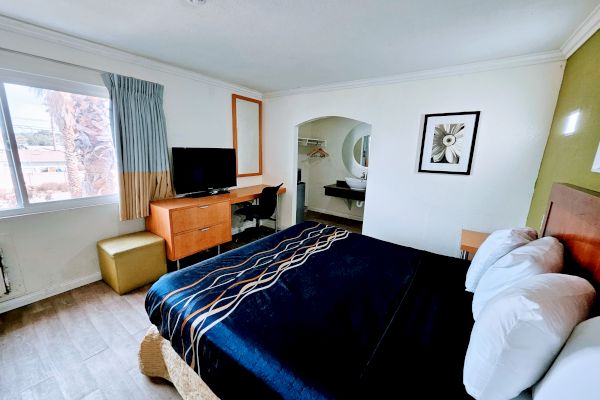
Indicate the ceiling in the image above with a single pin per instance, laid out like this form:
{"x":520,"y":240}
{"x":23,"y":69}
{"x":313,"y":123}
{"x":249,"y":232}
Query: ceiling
{"x":272,"y":45}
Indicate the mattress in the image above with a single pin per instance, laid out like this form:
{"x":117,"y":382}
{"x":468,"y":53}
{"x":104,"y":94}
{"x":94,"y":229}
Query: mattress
{"x":318,"y":312}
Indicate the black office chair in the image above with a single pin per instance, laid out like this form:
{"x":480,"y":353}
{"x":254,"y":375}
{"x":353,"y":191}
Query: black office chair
{"x":267,"y":202}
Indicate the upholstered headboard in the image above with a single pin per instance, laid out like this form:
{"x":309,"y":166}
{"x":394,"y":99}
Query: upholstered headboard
{"x":573,"y":217}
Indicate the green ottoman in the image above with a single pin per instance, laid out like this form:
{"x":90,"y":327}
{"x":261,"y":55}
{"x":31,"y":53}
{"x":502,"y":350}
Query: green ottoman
{"x":130,"y":261}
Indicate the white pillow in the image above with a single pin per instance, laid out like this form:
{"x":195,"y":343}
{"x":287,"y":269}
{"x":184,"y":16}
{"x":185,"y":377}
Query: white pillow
{"x":497,"y":245}
{"x":540,"y":256}
{"x":520,"y":332}
{"x":576,"y":371}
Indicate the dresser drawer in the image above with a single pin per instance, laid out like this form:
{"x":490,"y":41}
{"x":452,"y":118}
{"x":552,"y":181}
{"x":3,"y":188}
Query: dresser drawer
{"x":187,"y":243}
{"x":196,"y":217}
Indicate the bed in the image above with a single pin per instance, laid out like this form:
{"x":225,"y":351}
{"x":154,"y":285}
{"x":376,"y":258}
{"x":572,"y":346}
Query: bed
{"x":317,"y":312}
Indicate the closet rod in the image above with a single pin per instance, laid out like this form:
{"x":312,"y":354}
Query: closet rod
{"x":51,"y":59}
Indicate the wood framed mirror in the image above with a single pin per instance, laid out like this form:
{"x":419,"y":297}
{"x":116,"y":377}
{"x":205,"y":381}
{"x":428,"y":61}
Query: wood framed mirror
{"x":247,"y":134}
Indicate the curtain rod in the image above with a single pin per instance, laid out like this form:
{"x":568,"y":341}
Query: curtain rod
{"x":51,"y":60}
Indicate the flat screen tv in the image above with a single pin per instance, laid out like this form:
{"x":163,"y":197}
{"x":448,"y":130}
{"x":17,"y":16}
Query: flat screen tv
{"x":203,"y":171}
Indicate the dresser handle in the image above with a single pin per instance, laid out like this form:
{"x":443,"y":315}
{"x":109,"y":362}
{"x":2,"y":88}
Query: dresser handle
{"x":202,"y":206}
{"x":204,"y":229}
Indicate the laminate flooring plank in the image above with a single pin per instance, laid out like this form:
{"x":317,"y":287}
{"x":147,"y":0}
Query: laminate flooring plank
{"x":57,"y":350}
{"x":95,"y":395}
{"x":127,"y":315}
{"x":82,"y":344}
{"x":21,"y":365}
{"x":45,"y":390}
{"x":78,"y":326}
{"x":108,"y":327}
{"x":112,"y":331}
{"x":155,"y":389}
{"x":137,"y":299}
{"x":112,"y":377}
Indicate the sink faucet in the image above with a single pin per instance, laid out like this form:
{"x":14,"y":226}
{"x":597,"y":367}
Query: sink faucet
{"x":364,"y":175}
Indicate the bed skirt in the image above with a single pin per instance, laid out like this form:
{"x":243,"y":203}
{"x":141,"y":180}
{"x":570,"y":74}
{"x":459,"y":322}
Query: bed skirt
{"x":158,"y":359}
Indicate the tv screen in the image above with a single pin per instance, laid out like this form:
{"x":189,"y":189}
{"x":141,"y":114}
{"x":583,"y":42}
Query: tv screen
{"x":203,"y":169}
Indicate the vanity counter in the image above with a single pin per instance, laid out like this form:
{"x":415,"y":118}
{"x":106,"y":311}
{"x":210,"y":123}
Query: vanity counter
{"x":341,"y":189}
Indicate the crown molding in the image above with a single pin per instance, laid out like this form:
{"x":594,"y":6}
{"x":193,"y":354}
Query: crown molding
{"x":583,"y":32}
{"x":510,"y":62}
{"x":51,"y":36}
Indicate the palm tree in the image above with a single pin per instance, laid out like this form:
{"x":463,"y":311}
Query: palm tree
{"x":95,"y":144}
{"x":89,"y":151}
{"x":61,"y":109}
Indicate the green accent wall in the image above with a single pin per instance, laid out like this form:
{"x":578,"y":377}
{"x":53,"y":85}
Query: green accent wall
{"x":569,"y":158}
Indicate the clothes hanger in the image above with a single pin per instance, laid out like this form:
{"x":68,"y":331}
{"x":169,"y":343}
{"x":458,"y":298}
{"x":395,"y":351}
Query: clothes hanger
{"x":318,"y":152}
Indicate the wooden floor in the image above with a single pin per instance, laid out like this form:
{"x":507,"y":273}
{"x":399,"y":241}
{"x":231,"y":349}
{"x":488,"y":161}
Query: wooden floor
{"x":81,"y":344}
{"x":345,"y":223}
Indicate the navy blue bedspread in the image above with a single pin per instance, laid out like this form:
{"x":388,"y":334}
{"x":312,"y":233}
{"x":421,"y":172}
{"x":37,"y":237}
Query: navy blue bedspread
{"x":317,"y":312}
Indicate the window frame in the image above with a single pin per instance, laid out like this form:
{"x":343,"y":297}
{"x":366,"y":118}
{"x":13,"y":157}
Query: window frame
{"x":7,"y":135}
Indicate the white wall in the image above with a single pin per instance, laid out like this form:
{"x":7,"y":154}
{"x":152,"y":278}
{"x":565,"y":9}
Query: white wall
{"x":318,"y":172}
{"x":56,"y":251}
{"x":422,"y":210}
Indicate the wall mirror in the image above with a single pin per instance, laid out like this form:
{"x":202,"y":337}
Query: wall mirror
{"x":247,"y":134}
{"x":361,"y":150}
{"x":355,"y":150}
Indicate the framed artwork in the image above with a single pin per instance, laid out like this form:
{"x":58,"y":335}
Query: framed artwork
{"x":448,"y":142}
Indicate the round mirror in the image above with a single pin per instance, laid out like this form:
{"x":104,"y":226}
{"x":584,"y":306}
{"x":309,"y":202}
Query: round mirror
{"x":355,"y":150}
{"x":361,"y":151}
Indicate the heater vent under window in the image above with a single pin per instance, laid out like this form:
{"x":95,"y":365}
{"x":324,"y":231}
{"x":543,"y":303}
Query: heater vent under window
{"x":4,"y":283}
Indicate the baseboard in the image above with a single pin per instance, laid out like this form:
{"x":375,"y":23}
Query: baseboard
{"x":48,"y":292}
{"x":337,"y":214}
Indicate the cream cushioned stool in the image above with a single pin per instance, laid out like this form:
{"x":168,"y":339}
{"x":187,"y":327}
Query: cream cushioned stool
{"x":130,"y":261}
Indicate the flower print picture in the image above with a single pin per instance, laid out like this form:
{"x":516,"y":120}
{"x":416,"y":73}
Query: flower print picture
{"x":448,"y":142}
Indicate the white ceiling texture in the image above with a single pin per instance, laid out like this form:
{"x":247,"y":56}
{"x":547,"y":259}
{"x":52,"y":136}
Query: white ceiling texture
{"x":273,"y":45}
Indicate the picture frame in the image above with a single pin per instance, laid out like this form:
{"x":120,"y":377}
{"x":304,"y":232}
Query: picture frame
{"x":448,"y":142}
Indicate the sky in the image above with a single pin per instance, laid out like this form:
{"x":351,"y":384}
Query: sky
{"x":27,"y":107}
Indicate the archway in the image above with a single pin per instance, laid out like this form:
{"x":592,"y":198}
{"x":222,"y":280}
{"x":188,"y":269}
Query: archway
{"x":331,"y":158}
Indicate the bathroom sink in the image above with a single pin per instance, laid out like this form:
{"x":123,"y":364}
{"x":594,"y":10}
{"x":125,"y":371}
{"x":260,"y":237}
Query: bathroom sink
{"x":357,"y":184}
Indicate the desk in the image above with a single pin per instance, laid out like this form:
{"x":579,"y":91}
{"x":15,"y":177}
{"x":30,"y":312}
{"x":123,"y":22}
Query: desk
{"x":470,"y":241}
{"x":248,"y":193}
{"x":190,"y":225}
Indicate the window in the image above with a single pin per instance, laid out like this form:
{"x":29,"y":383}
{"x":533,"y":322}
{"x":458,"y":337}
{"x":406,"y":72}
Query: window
{"x":56,"y":149}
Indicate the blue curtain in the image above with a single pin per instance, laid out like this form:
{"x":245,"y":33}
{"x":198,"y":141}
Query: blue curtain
{"x":140,"y":132}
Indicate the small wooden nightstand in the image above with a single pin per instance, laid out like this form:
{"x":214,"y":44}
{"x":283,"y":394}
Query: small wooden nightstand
{"x":470,"y":242}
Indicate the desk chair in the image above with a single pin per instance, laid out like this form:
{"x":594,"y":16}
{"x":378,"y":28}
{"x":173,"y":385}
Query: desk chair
{"x":267,"y":203}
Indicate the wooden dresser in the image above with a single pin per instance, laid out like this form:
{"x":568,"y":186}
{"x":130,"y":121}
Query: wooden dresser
{"x":190,"y":225}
